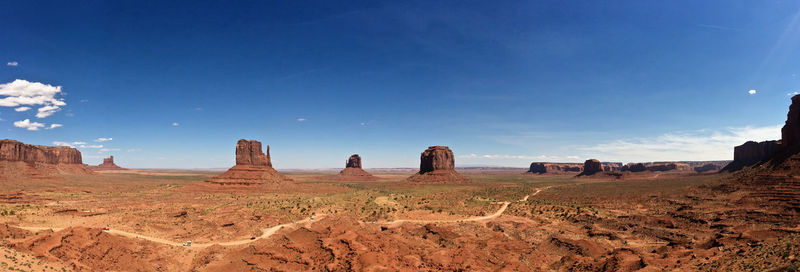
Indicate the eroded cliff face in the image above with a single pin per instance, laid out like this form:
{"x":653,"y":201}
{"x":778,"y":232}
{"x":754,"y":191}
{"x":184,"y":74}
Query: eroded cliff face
{"x":790,"y":133}
{"x":11,"y":150}
{"x":751,"y":153}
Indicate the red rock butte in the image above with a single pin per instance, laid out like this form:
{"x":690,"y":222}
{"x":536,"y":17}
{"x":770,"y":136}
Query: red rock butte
{"x":437,"y":165}
{"x":591,"y":167}
{"x":108,"y":164}
{"x":24,"y":160}
{"x":252,"y":167}
{"x":353,"y":170}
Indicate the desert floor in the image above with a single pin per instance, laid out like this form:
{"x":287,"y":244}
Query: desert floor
{"x":140,"y":220}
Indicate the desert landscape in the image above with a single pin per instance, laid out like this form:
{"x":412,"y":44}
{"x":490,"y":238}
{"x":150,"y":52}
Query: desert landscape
{"x":400,"y":135}
{"x":60,"y":215}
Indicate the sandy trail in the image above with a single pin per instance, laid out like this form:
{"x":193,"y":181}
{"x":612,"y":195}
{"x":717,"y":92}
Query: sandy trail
{"x":470,"y":219}
{"x":267,"y":232}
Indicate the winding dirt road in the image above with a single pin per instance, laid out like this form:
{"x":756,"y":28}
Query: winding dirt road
{"x":266,"y":233}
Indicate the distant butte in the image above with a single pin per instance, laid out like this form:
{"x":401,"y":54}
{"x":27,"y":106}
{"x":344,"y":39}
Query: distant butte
{"x":108,"y":164}
{"x":437,"y":165}
{"x":252,"y":167}
{"x":353,"y":170}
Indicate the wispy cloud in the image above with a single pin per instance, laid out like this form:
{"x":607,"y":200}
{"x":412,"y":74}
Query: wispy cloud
{"x":27,"y":124}
{"x":108,"y":149}
{"x":76,"y":144}
{"x":695,"y":145}
{"x":718,"y":27}
{"x":22,"y":92}
{"x":752,"y":92}
{"x":12,"y":63}
{"x":301,"y":119}
{"x":52,"y":126}
{"x":21,"y":109}
{"x":100,"y":140}
{"x":175,"y":124}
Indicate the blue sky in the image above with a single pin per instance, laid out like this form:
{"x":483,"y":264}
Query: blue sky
{"x":175,"y":85}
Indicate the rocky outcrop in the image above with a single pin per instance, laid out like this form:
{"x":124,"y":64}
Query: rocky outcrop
{"x":437,"y":165}
{"x":752,"y":153}
{"x":11,"y":150}
{"x":19,"y":161}
{"x":252,"y":167}
{"x":353,"y":162}
{"x":353,"y":172}
{"x":612,"y":166}
{"x":591,"y":167}
{"x":708,"y":167}
{"x":108,"y":164}
{"x":790,"y":133}
{"x":634,"y":167}
{"x":249,"y":153}
{"x":555,"y":168}
{"x":669,"y":166}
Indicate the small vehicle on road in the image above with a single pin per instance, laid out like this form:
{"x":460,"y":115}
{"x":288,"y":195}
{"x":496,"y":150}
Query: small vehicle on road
{"x":187,"y":243}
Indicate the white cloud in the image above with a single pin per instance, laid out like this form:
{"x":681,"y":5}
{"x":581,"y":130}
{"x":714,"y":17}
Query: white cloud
{"x":696,"y":145}
{"x":793,"y":93}
{"x":12,"y":63}
{"x":20,"y":109}
{"x":76,"y":144}
{"x":134,"y":149}
{"x":27,"y":124}
{"x":100,"y":140}
{"x":175,"y":124}
{"x":752,"y":92}
{"x":23,"y":92}
{"x":505,"y":159}
{"x":108,"y":149}
{"x":52,"y":126}
{"x":301,"y":119}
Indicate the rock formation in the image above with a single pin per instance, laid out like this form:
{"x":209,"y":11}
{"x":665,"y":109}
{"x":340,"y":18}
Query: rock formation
{"x":21,"y":160}
{"x":353,"y":171}
{"x":11,"y":150}
{"x":708,"y":167}
{"x":108,"y":164}
{"x":252,"y":167}
{"x":612,"y":166}
{"x":555,"y":168}
{"x":751,"y":153}
{"x":790,"y":133}
{"x":634,"y":167}
{"x":437,"y":165}
{"x":591,"y":167}
{"x":668,"y":166}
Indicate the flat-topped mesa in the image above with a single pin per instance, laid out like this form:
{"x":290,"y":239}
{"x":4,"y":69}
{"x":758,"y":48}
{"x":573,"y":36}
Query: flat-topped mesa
{"x":591,"y":167}
{"x":11,"y":150}
{"x":252,"y":167}
{"x":437,"y":165}
{"x":108,"y":164}
{"x":353,"y":171}
{"x":555,"y":168}
{"x":24,"y":161}
{"x":752,"y":153}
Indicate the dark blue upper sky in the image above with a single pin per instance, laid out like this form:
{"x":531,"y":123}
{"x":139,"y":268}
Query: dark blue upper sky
{"x":175,"y":84}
